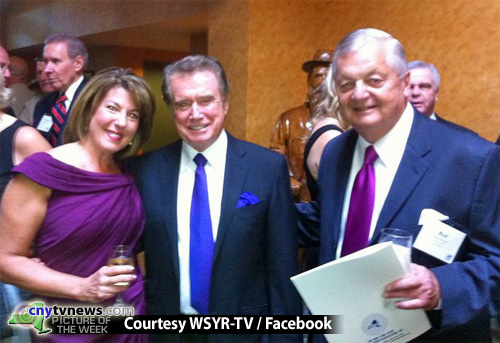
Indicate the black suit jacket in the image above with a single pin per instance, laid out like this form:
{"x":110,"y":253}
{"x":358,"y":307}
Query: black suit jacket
{"x":44,"y":106}
{"x":256,"y":246}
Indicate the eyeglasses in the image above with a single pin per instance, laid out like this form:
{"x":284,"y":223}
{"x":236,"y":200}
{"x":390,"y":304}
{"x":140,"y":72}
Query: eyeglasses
{"x":203,"y":102}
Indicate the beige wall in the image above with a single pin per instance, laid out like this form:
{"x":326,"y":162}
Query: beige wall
{"x":462,"y":38}
{"x":262,"y":45}
{"x":228,"y":40}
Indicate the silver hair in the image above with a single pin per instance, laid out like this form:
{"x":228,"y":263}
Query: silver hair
{"x":74,"y":45}
{"x":362,"y":38}
{"x":431,"y":67}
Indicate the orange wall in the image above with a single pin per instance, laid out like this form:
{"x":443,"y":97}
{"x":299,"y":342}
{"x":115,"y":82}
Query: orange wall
{"x":264,"y":56}
{"x":134,"y":58}
{"x":228,"y":41}
{"x":263,"y":43}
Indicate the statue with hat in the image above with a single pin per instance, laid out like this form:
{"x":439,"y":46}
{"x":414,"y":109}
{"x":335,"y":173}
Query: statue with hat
{"x":294,"y":126}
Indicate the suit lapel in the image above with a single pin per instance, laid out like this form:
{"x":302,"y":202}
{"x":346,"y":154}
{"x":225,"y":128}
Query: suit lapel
{"x":234,"y":180}
{"x":77,"y":92}
{"x":410,"y":172}
{"x":75,"y":96}
{"x":168,"y":183}
{"x":336,"y":176}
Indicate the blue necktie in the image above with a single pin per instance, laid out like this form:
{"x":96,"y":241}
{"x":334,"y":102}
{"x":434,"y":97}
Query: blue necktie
{"x":201,"y":242}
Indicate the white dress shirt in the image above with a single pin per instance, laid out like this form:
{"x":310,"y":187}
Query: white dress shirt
{"x":70,"y":92}
{"x":214,"y":169}
{"x":390,"y":149}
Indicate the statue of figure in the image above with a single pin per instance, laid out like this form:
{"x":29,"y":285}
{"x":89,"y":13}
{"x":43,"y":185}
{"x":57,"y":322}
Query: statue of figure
{"x":294,"y":126}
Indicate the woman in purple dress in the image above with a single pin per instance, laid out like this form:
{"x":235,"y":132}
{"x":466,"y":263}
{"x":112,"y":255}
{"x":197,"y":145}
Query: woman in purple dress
{"x":75,"y":204}
{"x":17,"y":141}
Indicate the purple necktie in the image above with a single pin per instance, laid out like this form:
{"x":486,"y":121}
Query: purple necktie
{"x":58,"y":118}
{"x":201,"y":241}
{"x":357,"y":227}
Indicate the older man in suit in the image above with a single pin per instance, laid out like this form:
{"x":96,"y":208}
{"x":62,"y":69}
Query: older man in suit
{"x":220,"y":235}
{"x":424,"y":91}
{"x":410,"y":163}
{"x":65,"y":58}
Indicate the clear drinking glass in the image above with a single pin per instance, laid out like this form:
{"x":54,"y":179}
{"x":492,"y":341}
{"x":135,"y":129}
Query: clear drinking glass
{"x":121,"y":256}
{"x":402,"y":240}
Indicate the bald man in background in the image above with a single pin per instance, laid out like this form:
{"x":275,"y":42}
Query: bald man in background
{"x":4,"y":66}
{"x":4,"y":63}
{"x":18,"y":82}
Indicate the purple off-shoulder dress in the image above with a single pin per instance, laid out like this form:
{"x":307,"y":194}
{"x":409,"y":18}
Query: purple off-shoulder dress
{"x":88,"y":214}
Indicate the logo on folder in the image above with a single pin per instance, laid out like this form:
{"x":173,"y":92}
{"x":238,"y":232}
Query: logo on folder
{"x":374,"y":324}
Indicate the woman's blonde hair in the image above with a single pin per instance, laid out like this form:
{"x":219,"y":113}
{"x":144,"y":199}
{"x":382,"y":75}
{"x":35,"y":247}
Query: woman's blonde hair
{"x":328,"y":106}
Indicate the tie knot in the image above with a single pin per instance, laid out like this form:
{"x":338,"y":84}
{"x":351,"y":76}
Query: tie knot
{"x":62,"y":98}
{"x":200,"y":160}
{"x":370,"y":155}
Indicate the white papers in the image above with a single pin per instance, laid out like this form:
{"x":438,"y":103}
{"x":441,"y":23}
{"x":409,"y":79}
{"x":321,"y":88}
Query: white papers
{"x":428,"y":215}
{"x":352,"y":287}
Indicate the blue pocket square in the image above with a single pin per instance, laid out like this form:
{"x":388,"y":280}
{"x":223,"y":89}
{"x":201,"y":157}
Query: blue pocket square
{"x":247,"y":199}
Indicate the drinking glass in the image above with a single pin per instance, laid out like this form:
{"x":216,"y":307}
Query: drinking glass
{"x":120,"y":256}
{"x":402,"y":241}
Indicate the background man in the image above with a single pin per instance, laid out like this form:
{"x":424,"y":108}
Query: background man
{"x":411,"y":163}
{"x":424,"y":87}
{"x":18,"y":82}
{"x":4,"y":66}
{"x":245,"y":225}
{"x":65,"y":59}
{"x":294,"y":127}
{"x":40,"y":85}
{"x":4,"y":63}
{"x":424,"y":91}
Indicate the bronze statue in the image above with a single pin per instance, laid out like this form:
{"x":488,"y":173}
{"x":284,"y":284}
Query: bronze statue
{"x":294,"y":126}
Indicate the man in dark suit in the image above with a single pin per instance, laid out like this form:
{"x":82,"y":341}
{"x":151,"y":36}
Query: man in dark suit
{"x":424,"y":91}
{"x":250,"y":220}
{"x":65,"y":59}
{"x":418,"y":164}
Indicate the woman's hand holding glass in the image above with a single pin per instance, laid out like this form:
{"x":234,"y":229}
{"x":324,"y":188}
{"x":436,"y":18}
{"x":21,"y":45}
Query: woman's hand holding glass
{"x":110,"y":280}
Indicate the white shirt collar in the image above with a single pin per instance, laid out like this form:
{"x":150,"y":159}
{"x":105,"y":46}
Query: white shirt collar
{"x":215,"y":153}
{"x":433,"y":116}
{"x":70,"y":92}
{"x":390,"y":148}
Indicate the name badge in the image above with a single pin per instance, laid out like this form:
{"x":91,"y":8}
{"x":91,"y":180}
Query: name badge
{"x":45,"y":123}
{"x":439,"y":240}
